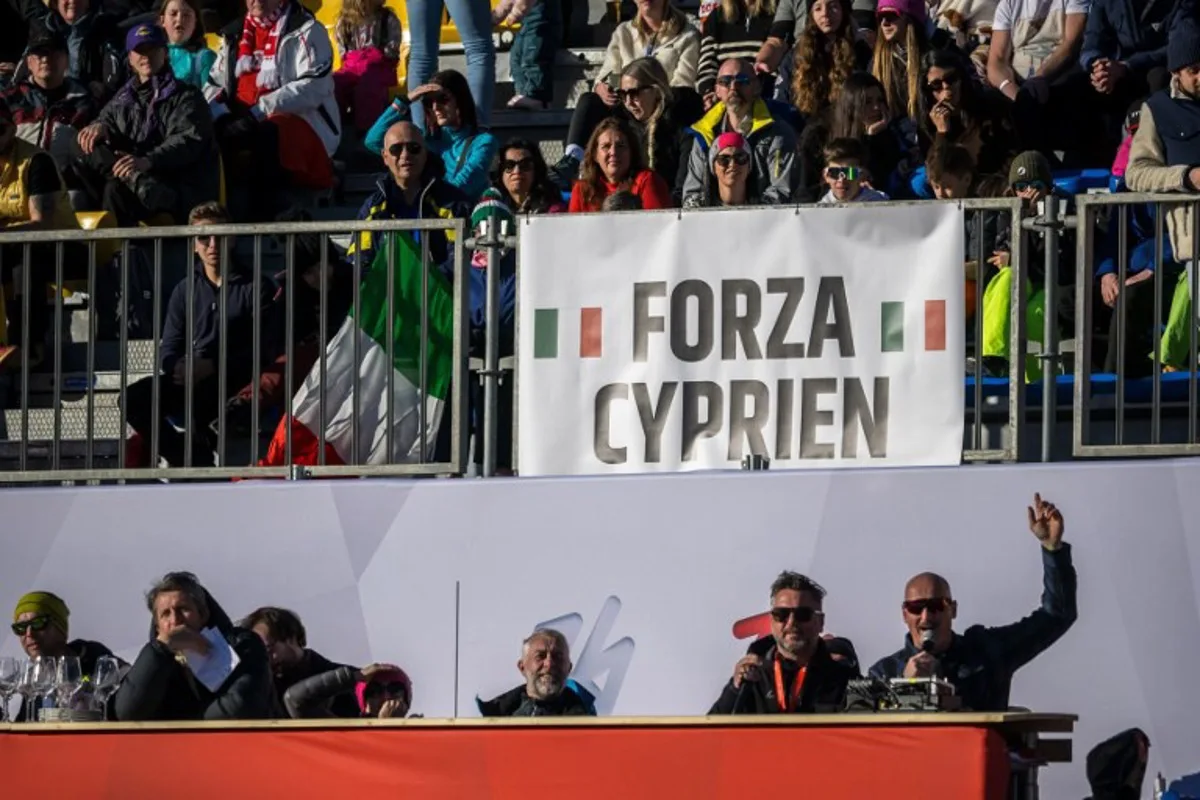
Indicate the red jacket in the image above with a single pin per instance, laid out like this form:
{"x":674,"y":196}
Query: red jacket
{"x":648,"y":186}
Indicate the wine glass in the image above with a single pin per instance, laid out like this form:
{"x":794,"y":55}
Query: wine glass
{"x":27,"y":688}
{"x":106,"y":677}
{"x":10,"y":679}
{"x":68,"y":675}
{"x":44,"y":677}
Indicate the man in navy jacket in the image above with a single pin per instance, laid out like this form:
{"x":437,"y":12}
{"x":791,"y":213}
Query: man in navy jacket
{"x":980,"y":663}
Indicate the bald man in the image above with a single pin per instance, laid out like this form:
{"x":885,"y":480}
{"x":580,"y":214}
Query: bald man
{"x":980,"y":663}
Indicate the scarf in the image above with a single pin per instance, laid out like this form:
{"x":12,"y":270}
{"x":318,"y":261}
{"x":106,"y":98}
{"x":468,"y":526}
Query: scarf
{"x":253,"y":59}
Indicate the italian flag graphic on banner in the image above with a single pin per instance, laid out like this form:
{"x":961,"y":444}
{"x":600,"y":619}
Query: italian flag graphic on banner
{"x":371,"y":328}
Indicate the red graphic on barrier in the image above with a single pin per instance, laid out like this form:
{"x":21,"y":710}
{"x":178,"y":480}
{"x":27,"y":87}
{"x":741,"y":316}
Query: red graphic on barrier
{"x":755,"y":627}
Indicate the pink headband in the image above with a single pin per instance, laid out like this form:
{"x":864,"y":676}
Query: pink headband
{"x":391,"y":676}
{"x":724,"y":142}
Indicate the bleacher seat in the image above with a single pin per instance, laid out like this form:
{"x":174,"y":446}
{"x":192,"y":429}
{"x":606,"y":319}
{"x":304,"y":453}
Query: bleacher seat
{"x":1103,"y":384}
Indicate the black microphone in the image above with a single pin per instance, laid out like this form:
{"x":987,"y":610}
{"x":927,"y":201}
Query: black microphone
{"x":927,"y":637}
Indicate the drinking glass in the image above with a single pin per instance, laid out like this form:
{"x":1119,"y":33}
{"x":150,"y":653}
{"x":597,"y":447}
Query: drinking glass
{"x":68,"y":675}
{"x":10,"y":679}
{"x":27,"y":688}
{"x":44,"y":677}
{"x":106,"y":677}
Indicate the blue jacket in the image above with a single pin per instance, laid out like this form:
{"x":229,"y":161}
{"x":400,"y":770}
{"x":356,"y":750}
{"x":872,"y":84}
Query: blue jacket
{"x":980,"y":663}
{"x":437,"y":200}
{"x":191,"y":66}
{"x":466,"y":156}
{"x":1140,"y":234}
{"x":1115,"y":31}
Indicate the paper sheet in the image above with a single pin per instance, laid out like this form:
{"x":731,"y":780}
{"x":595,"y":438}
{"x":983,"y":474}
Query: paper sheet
{"x":215,"y":667}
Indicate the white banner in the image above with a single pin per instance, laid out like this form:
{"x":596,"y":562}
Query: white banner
{"x":817,"y":337}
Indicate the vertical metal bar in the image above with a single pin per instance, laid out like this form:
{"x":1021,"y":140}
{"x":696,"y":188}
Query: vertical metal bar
{"x":390,"y":411}
{"x":1192,"y":318}
{"x":123,"y":338}
{"x":1018,"y":344}
{"x":1122,"y":322}
{"x":323,"y":325}
{"x":1050,"y":335}
{"x":1081,"y":401}
{"x":189,"y":366}
{"x":1156,"y":386}
{"x":355,"y":399}
{"x":256,"y":347}
{"x":495,"y":238}
{"x":222,"y":347}
{"x":26,"y":267}
{"x":56,"y":445}
{"x":289,"y":330}
{"x":90,"y":444}
{"x":460,"y":391}
{"x":423,"y":365}
{"x":980,"y":271}
{"x":156,"y":364}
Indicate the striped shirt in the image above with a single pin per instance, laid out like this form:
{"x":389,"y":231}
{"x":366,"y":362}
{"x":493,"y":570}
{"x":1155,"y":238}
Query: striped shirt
{"x":721,"y":40}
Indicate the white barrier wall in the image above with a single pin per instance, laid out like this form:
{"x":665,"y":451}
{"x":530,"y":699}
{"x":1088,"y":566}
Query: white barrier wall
{"x":646,"y":575}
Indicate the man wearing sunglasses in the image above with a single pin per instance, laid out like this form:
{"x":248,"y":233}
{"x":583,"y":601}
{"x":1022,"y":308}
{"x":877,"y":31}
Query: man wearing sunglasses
{"x":792,"y":671}
{"x":766,"y":127}
{"x":980,"y":663}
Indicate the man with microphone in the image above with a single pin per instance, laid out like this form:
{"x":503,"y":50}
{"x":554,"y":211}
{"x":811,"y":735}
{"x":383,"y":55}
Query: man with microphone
{"x":980,"y":663}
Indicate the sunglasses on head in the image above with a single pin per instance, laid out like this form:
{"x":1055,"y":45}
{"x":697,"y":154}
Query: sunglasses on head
{"x":942,"y":84}
{"x":842,"y":173}
{"x":412,"y":148}
{"x":629,"y":94}
{"x":739,"y":158}
{"x":802,"y":613}
{"x":520,"y":164}
{"x":934,"y":605}
{"x":730,"y":80}
{"x":37,"y":624}
{"x":1021,"y":186}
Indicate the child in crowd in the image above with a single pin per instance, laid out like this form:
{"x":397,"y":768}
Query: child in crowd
{"x":845,"y":175}
{"x":367,"y":34}
{"x":191,"y":60}
{"x":623,"y":200}
{"x":531,"y":59}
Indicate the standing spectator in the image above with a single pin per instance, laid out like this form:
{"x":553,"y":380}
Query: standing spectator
{"x":734,"y":29}
{"x":473,"y":19}
{"x":899,"y":48}
{"x":547,"y":692}
{"x":957,"y":110}
{"x":283,"y":635}
{"x":845,"y":174}
{"x":649,"y":100}
{"x":40,"y":622}
{"x":165,"y":684}
{"x":659,"y":31}
{"x":151,"y":150}
{"x":451,"y":129}
{"x":727,"y":180}
{"x":191,"y":60}
{"x":367,"y":34}
{"x":272,"y":97}
{"x":773,"y":141}
{"x":613,"y":162}
{"x":523,"y":180}
{"x":174,"y":381}
{"x":48,"y":106}
{"x":826,"y":54}
{"x":981,"y":662}
{"x":791,"y":16}
{"x":381,"y":691}
{"x":94,"y":41}
{"x":534,"y":48}
{"x":790,"y":671}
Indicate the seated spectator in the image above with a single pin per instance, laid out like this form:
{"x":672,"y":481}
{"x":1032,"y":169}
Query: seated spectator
{"x":623,"y":200}
{"x":659,"y":31}
{"x":168,"y":681}
{"x":826,"y":54}
{"x":791,"y":17}
{"x":451,"y":131}
{"x":844,"y":173}
{"x":48,"y":106}
{"x":523,"y":180}
{"x":965,"y":26}
{"x":613,"y":162}
{"x":727,"y":179}
{"x":899,"y":48}
{"x":40,"y":622}
{"x":790,"y":671}
{"x":649,"y":101}
{"x":956,"y":109}
{"x":367,"y":34}
{"x":243,"y":309}
{"x":191,"y":60}
{"x":292,"y":663}
{"x":380,"y":691}
{"x":272,"y":98}
{"x":150,"y":152}
{"x":547,"y":692}
{"x":1163,"y":158}
{"x":95,"y":39}
{"x":772,"y":141}
{"x":734,"y":29}
{"x":534,"y":48}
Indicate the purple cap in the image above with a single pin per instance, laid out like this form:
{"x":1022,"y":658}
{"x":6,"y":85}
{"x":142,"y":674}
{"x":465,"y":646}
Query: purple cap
{"x":142,"y":35}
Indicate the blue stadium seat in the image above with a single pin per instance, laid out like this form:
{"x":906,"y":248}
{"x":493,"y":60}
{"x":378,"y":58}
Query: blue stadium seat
{"x":1079,"y":181}
{"x":1104,"y":384}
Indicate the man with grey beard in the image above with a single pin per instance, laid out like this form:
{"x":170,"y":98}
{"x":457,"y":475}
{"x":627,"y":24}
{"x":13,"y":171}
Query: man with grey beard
{"x":545,"y":664}
{"x":772,"y":140}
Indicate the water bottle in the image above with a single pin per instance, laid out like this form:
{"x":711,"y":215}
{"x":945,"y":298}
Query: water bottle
{"x":1160,"y":787}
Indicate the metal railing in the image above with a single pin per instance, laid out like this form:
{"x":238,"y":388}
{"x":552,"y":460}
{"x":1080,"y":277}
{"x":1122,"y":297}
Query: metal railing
{"x":47,"y":258}
{"x":1124,"y":415}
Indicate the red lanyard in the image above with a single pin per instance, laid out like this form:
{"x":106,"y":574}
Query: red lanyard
{"x":787,"y":703}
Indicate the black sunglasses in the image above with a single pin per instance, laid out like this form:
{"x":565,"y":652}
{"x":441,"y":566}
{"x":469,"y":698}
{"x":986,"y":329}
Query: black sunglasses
{"x":37,"y":624}
{"x":934,"y":605}
{"x":413,"y":149}
{"x":739,"y":158}
{"x":393,"y":689}
{"x":889,"y":16}
{"x":1021,"y":186}
{"x":521,"y":164}
{"x":628,"y":94}
{"x":730,"y":80}
{"x":801,"y":613}
{"x":438,"y":97}
{"x":947,"y":82}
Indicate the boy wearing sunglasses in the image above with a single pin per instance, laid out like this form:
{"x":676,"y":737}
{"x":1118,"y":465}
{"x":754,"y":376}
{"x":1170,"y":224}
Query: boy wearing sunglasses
{"x":981,"y":662}
{"x":845,"y":174}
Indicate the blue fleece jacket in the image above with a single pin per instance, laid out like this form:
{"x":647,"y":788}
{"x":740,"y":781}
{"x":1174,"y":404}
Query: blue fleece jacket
{"x":191,"y":66}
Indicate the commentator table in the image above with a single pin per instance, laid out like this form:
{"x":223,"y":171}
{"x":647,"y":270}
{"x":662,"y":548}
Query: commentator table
{"x":889,"y":755}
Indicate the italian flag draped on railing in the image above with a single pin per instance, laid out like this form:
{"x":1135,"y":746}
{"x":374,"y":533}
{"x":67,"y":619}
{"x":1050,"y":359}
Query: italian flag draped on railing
{"x":371,"y":329}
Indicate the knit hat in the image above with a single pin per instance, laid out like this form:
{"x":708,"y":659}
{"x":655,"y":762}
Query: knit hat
{"x":44,"y":604}
{"x":1183,"y":47}
{"x":1030,"y":166}
{"x":724,"y":142}
{"x":491,"y":207}
{"x":389,"y":676}
{"x":915,"y":9}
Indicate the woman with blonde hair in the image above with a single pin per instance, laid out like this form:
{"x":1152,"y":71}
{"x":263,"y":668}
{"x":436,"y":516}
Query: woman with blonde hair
{"x":613,"y":162}
{"x":734,"y":29}
{"x":825,"y":56}
{"x":649,"y":100}
{"x":899,"y":47}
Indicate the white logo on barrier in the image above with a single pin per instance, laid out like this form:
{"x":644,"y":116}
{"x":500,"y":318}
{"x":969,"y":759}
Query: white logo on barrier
{"x":593,"y":660}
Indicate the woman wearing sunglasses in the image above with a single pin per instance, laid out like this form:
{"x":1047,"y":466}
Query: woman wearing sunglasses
{"x":899,"y":47}
{"x":649,"y":100}
{"x":613,"y":161}
{"x":451,"y":127}
{"x":727,"y":182}
{"x":382,"y":690}
{"x":522,"y":179}
{"x":956,"y":111}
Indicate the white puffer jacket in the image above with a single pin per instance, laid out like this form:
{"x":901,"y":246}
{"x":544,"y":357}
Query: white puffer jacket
{"x":304,"y":60}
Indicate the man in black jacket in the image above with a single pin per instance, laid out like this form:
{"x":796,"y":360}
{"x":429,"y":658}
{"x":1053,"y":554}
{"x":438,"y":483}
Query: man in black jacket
{"x":791,"y":671}
{"x":286,"y":641}
{"x":980,"y":663}
{"x":547,"y":692}
{"x":161,"y":684}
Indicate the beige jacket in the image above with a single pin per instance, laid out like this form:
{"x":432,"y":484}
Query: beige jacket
{"x":680,"y":56}
{"x":1148,"y":172}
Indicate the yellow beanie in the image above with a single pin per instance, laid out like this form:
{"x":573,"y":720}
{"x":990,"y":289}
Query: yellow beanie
{"x":51,"y":605}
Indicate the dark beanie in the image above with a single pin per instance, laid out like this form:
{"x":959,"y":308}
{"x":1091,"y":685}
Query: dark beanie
{"x":1183,"y":49}
{"x":1030,"y":166}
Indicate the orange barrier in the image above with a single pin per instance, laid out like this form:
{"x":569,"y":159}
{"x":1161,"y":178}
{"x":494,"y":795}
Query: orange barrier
{"x":860,"y":756}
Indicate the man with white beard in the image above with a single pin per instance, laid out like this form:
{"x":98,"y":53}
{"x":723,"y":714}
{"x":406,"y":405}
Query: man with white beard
{"x":545,"y":664}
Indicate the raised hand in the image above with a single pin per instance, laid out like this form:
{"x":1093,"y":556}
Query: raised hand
{"x":1046,"y":523}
